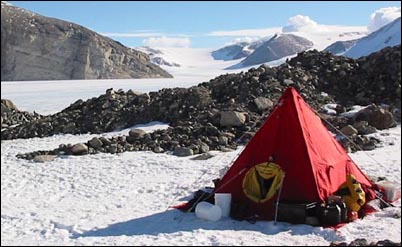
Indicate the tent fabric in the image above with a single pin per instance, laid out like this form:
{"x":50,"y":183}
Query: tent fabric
{"x":315,"y":164}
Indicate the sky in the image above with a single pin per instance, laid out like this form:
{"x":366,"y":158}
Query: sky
{"x":206,"y":24}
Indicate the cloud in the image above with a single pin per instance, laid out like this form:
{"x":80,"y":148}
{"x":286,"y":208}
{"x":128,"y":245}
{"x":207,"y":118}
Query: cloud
{"x":383,"y":16}
{"x":301,"y":23}
{"x":164,"y":41}
{"x":134,"y":34}
{"x":246,"y":32}
{"x":243,"y":39}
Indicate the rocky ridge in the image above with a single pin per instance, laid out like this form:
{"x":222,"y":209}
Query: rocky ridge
{"x":229,"y":109}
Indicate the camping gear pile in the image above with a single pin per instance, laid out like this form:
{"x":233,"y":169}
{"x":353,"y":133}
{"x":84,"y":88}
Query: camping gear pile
{"x":294,"y":170}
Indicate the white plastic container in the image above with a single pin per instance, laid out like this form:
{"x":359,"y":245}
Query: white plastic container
{"x":392,"y":190}
{"x":208,"y":211}
{"x":223,"y":200}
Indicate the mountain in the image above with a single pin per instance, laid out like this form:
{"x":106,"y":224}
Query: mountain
{"x":156,"y":56}
{"x":340,"y":47}
{"x":35,"y":47}
{"x":237,"y":50}
{"x":279,"y":46}
{"x":320,"y":38}
{"x":232,"y":52}
{"x":388,"y":35}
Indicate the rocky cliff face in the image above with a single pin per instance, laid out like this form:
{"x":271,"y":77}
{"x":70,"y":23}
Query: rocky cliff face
{"x":34,"y":47}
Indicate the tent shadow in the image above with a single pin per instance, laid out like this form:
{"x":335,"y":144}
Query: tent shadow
{"x":174,"y":221}
{"x":165,"y":222}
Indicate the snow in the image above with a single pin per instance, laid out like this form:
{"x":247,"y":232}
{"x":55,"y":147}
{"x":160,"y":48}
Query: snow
{"x":126,"y":199}
{"x":322,"y":36}
{"x":354,"y":109}
{"x":48,"y":97}
{"x":6,"y":3}
{"x":273,"y":63}
{"x":389,"y":35}
{"x":330,"y":108}
{"x":322,"y":39}
{"x":194,"y":62}
{"x":199,"y":61}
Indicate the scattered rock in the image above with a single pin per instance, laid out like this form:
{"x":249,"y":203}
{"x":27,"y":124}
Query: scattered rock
{"x":95,"y":142}
{"x":377,"y":117}
{"x":349,"y":130}
{"x":11,"y":116}
{"x":44,"y":158}
{"x":232,"y":118}
{"x":8,"y":105}
{"x":183,"y":151}
{"x":263,"y":104}
{"x":204,"y":156}
{"x":79,"y":149}
{"x":364,"y":242}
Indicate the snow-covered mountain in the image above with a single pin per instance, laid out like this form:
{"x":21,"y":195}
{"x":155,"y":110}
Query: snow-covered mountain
{"x":156,"y":56}
{"x":388,"y":35}
{"x":210,"y":62}
{"x":340,"y":47}
{"x":320,"y":39}
{"x":237,"y":50}
{"x":277,"y":47}
{"x":232,"y":52}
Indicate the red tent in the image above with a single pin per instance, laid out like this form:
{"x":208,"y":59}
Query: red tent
{"x":314,"y":163}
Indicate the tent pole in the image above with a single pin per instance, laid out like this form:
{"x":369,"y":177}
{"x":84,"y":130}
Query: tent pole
{"x":277,"y":199}
{"x":383,"y":201}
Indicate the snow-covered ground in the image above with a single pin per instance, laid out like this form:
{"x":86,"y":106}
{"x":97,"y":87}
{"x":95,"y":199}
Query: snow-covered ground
{"x":125,"y":199}
{"x":194,"y":62}
{"x":48,"y":97}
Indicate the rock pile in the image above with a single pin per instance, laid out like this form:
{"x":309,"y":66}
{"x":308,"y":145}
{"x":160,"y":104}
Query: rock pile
{"x":364,"y":242}
{"x":11,"y":116}
{"x":229,"y":109}
{"x":372,"y":79}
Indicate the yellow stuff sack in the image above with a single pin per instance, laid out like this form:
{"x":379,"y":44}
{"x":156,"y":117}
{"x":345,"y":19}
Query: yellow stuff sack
{"x":262,"y":181}
{"x":356,"y":196}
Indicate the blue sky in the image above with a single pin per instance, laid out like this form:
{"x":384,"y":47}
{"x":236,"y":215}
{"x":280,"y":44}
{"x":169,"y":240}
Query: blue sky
{"x":196,"y":23}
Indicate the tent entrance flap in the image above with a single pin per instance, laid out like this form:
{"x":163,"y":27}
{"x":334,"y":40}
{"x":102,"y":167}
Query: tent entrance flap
{"x":262,"y":181}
